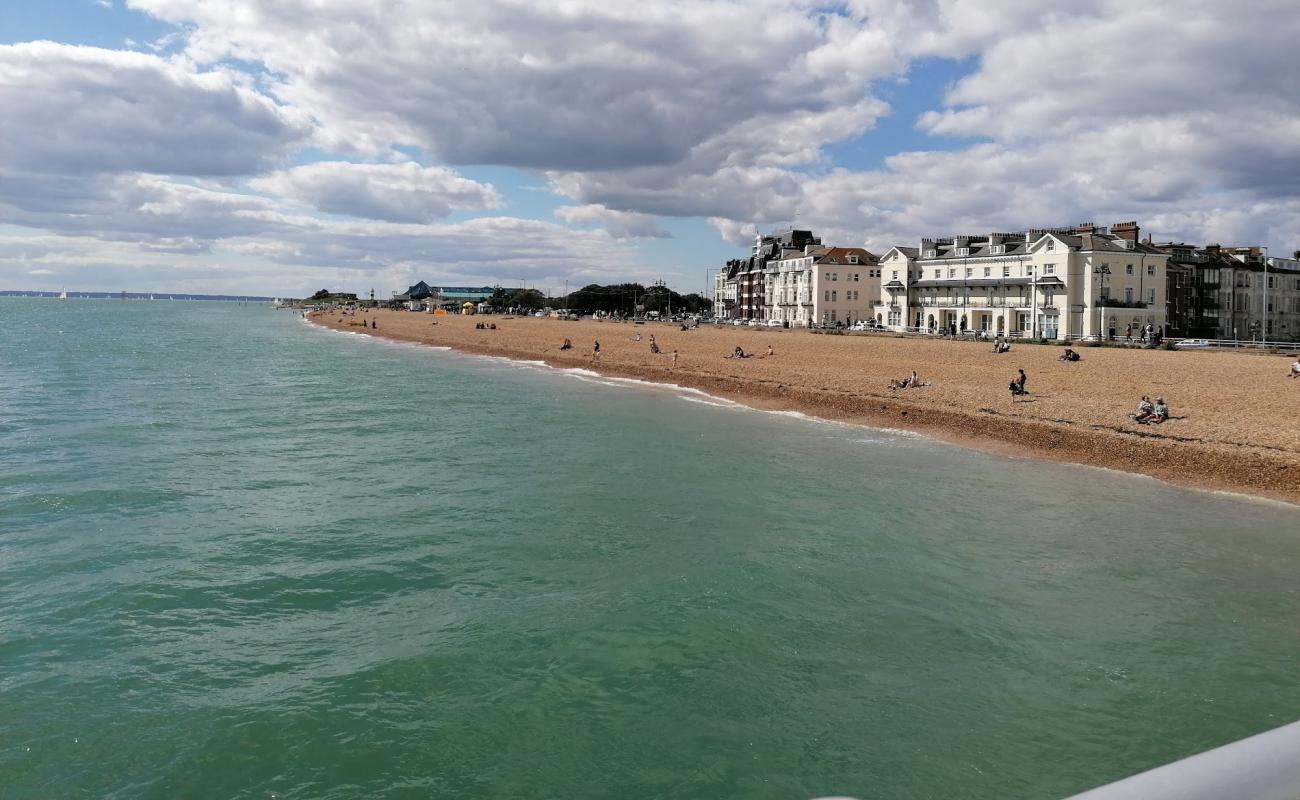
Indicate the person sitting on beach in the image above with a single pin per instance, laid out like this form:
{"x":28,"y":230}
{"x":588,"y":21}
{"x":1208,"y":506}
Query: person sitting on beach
{"x":568,"y":345}
{"x":738,"y":353}
{"x":770,"y":352}
{"x":1144,"y":410}
{"x":1068,"y":355}
{"x":1159,"y":413}
{"x":894,"y":383}
{"x":637,"y":337}
{"x":654,"y":346}
{"x":1295,"y":368}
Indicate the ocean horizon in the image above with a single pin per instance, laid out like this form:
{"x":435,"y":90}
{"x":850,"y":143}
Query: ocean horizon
{"x":246,"y":556}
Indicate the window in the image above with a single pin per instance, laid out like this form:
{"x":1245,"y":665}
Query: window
{"x":828,"y":295}
{"x":1105,"y":293}
{"x":930,"y":253}
{"x":969,"y":271}
{"x":1006,"y":272}
{"x":1049,"y":269}
{"x":853,"y":259}
{"x":1151,"y":269}
{"x":1128,"y":269}
{"x":1272,"y":282}
{"x":1151,"y":296}
{"x":833,"y":296}
{"x":1051,"y":245}
{"x":895,"y":274}
{"x":987,"y":271}
{"x":1128,"y":295}
{"x":997,"y":248}
{"x":952,"y":272}
{"x":835,"y":276}
{"x":1048,"y":296}
{"x":855,"y":277}
{"x":936,"y":274}
{"x":963,"y":251}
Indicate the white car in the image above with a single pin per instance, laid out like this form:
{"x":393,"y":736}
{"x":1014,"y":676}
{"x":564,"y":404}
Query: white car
{"x":1193,"y":344}
{"x":774,"y":323}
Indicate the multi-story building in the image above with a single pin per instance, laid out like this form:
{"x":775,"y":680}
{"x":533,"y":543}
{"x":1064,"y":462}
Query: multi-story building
{"x":790,"y":277}
{"x":1239,"y":292}
{"x":821,"y":285}
{"x":743,"y":281}
{"x":1049,"y":283}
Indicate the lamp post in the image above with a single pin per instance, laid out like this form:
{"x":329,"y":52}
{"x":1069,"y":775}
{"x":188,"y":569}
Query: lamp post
{"x":1264,"y":332}
{"x":1102,"y":270}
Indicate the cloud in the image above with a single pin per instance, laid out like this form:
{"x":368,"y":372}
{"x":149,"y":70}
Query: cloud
{"x":619,"y":224}
{"x":405,"y":192}
{"x":571,"y":85}
{"x":82,"y":110}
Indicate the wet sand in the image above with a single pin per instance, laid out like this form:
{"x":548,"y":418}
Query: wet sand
{"x":1235,"y":425}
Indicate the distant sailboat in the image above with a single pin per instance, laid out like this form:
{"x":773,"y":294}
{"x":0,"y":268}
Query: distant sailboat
{"x":63,"y":295}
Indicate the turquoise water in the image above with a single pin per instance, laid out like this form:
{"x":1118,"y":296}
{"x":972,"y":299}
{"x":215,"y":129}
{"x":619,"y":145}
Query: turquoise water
{"x":242,"y":557}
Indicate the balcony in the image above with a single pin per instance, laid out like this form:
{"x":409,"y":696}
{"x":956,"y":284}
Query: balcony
{"x":1111,"y":302}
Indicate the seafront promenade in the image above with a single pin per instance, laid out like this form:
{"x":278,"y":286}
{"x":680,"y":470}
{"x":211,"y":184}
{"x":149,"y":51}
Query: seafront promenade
{"x":1232,"y":428}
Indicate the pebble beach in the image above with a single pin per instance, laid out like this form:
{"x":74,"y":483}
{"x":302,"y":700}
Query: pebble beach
{"x":1233,"y":425}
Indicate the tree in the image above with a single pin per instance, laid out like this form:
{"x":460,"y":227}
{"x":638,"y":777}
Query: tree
{"x":323,"y":294}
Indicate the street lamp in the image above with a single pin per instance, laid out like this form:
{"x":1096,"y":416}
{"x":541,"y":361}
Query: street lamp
{"x":1102,"y":270}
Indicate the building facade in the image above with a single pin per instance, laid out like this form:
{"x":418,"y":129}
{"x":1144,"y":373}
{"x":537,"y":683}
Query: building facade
{"x":1043,"y":283}
{"x":821,"y":286}
{"x":1239,"y":292}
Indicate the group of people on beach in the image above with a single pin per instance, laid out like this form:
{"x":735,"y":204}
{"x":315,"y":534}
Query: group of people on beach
{"x":1149,"y":413}
{"x":1001,"y":345}
{"x":1069,"y":355}
{"x":913,"y":382}
{"x":740,"y":353}
{"x":595,"y":348}
{"x":489,"y":326}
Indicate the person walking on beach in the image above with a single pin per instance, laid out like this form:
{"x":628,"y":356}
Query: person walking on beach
{"x":595,"y":351}
{"x":373,"y":324}
{"x":674,"y":358}
{"x":1128,"y":333}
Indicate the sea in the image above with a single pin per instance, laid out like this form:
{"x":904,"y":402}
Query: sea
{"x":242,"y":556}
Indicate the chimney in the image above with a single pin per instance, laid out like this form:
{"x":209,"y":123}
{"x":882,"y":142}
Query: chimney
{"x":1126,"y":230}
{"x":1084,"y":227}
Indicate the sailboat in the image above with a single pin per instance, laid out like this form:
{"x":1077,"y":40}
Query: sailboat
{"x":63,"y":295}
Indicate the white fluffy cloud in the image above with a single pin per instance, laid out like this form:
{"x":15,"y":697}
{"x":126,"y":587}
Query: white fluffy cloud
{"x":1179,"y":113}
{"x":79,"y":110}
{"x":405,"y":192}
{"x":620,"y":224}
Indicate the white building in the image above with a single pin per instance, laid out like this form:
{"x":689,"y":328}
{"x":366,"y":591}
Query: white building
{"x":1049,"y":283}
{"x":821,"y":285}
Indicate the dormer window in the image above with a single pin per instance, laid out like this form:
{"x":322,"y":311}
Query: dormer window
{"x":997,"y":248}
{"x":931,"y":254}
{"x":963,"y":251}
{"x":853,"y":259}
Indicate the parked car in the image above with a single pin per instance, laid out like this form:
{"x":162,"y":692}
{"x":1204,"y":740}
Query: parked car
{"x":1193,"y":344}
{"x":774,"y":323}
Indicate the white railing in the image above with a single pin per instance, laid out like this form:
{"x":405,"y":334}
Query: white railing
{"x":1262,"y":767}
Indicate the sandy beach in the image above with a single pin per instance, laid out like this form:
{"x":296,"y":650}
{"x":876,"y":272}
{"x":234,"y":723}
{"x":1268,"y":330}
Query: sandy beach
{"x":1233,"y":426}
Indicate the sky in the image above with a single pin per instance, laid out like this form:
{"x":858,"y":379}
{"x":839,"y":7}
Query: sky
{"x":277,"y":147}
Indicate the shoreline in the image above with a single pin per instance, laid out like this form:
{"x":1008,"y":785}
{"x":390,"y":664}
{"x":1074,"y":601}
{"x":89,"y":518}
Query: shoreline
{"x":1259,"y":467}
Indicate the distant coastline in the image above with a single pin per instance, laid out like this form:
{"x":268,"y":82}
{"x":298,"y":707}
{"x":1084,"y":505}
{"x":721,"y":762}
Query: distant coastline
{"x":75,"y":295}
{"x":1229,"y":433}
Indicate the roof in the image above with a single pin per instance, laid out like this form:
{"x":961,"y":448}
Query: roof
{"x":840,"y":255}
